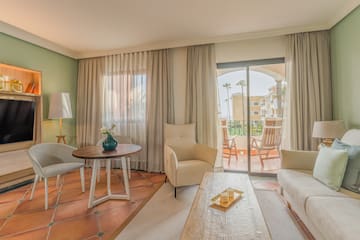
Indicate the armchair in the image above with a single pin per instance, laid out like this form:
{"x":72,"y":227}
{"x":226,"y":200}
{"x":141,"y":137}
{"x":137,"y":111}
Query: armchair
{"x":185,"y":161}
{"x":53,"y":159}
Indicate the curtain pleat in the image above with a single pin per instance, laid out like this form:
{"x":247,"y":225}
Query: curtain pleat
{"x":160,"y":109}
{"x":201,"y":105}
{"x":309,"y":77}
{"x":89,"y":108}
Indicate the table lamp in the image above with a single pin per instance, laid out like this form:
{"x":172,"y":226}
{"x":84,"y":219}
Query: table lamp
{"x":60,"y":107}
{"x":328,"y":130}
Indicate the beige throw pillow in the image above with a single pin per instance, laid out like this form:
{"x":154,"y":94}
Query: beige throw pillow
{"x":330,"y":167}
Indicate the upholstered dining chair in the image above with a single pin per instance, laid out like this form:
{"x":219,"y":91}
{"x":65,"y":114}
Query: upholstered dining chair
{"x":121,"y":140}
{"x":185,"y":161}
{"x":53,"y":159}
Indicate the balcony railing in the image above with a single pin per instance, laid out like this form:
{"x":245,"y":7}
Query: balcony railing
{"x":238,"y":128}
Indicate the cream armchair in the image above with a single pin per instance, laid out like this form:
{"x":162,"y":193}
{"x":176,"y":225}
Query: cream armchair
{"x":186,"y":161}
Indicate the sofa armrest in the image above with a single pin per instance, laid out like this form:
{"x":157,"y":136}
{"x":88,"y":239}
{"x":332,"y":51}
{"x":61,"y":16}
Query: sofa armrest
{"x":205,"y":153}
{"x":301,"y":160}
{"x":170,"y":163}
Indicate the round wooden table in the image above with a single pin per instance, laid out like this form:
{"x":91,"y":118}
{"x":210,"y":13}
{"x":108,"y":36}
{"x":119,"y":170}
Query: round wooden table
{"x":96,"y":153}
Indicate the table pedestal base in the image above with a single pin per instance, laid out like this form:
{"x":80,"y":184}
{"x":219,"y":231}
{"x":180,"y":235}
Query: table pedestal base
{"x":96,"y":165}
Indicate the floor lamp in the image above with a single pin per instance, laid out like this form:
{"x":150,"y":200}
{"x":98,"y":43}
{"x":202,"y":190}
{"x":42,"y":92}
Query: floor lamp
{"x":60,"y":107}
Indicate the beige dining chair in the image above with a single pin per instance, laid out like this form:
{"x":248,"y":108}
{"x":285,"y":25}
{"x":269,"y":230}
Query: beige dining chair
{"x":53,"y":159}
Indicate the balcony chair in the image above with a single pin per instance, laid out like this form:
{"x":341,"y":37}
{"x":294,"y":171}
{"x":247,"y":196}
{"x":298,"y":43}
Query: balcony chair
{"x":53,"y":159}
{"x":185,"y":161}
{"x":229,"y":145}
{"x":269,"y":140}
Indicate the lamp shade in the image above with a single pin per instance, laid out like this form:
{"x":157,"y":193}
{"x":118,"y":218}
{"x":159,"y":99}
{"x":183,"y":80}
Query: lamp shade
{"x":60,"y":106}
{"x":328,"y":129}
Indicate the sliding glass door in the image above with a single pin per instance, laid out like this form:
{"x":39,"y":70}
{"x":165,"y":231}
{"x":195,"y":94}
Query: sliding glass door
{"x":251,"y":110}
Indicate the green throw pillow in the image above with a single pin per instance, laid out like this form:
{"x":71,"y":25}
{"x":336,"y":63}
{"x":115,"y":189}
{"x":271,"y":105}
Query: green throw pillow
{"x":351,"y":179}
{"x":330,"y":167}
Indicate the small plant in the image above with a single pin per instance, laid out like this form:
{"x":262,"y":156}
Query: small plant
{"x":107,"y":131}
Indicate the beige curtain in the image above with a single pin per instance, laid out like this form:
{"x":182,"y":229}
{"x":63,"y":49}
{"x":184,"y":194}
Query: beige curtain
{"x":89,"y":96}
{"x":124,"y":100}
{"x":201,"y":104}
{"x":160,"y":107}
{"x":309,"y":78}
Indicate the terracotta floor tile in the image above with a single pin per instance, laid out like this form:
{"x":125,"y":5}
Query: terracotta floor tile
{"x":72,"y":209}
{"x":71,"y":217}
{"x":68,"y":196}
{"x":7,"y":208}
{"x":140,"y":182}
{"x":26,"y":222}
{"x":11,"y":196}
{"x":142,"y":192}
{"x":78,"y":228}
{"x":37,"y":203}
{"x":112,"y":219}
{"x":158,"y":178}
{"x":37,"y":234}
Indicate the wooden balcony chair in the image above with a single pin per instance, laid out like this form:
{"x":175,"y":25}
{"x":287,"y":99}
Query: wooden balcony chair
{"x":269,"y":140}
{"x":229,"y":145}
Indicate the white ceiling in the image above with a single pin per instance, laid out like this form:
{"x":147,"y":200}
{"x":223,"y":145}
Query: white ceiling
{"x":85,"y":28}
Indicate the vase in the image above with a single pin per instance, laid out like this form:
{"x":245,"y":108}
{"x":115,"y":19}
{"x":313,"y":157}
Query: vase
{"x":110,"y":143}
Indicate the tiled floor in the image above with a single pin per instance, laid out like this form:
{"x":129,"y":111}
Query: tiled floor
{"x":68,"y":216}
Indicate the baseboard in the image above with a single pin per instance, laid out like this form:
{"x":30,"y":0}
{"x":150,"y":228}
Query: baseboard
{"x":16,"y":179}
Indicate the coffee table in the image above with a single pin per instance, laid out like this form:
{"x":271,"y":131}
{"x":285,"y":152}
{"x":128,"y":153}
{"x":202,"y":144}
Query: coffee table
{"x":96,"y":153}
{"x":243,"y":220}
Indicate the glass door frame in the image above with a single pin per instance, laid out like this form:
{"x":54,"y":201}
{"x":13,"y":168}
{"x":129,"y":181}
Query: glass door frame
{"x":246,"y":65}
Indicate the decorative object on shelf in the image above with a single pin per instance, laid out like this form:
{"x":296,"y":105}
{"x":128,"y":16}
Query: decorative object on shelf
{"x":4,"y":83}
{"x":328,"y":130}
{"x":31,"y":87}
{"x":110,"y":143}
{"x":16,"y":86}
{"x":60,"y":107}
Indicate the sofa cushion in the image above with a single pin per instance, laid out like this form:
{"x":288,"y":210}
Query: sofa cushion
{"x":335,"y":217}
{"x":353,"y":166}
{"x":330,"y":166}
{"x":300,"y":186}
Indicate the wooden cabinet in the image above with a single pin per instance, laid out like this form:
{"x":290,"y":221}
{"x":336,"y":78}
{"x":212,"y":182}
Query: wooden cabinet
{"x":21,"y":84}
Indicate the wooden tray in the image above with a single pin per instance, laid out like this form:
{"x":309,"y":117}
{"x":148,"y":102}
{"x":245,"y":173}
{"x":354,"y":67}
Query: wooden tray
{"x":217,"y":204}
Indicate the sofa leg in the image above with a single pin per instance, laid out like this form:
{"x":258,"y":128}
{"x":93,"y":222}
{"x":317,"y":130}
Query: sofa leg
{"x":165,"y":178}
{"x":175,"y":192}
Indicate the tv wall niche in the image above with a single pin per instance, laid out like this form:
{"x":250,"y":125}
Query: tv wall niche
{"x":20,"y":107}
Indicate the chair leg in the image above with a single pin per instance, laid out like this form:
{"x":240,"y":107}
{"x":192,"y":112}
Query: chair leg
{"x":46,"y":193}
{"x":34,"y":185}
{"x":174,"y":192}
{"x":57,"y":181}
{"x":82,"y":178}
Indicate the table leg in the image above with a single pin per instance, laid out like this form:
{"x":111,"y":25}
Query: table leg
{"x":108,"y":175}
{"x":93,"y":184}
{"x":125,"y":175}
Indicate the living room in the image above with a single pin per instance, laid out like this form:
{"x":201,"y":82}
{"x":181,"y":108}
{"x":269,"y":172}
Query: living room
{"x":143,"y":67}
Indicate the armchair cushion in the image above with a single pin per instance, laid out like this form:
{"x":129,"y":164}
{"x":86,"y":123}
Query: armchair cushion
{"x":191,"y":172}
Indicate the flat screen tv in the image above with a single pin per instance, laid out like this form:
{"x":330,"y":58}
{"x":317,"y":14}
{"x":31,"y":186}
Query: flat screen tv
{"x":16,"y":120}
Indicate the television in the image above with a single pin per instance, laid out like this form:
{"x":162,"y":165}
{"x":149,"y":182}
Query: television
{"x":16,"y":120}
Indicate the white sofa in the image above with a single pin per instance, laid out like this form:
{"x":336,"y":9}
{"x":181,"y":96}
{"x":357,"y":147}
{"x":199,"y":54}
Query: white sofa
{"x":328,"y":214}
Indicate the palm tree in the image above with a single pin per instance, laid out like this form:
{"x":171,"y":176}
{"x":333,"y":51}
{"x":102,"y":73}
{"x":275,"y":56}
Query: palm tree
{"x":228,"y":86}
{"x":242,"y":84}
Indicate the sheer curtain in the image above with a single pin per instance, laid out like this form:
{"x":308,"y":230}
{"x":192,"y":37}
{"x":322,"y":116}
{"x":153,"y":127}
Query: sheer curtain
{"x":201,"y":96}
{"x":132,"y":91}
{"x":124,"y":99}
{"x":309,"y":77}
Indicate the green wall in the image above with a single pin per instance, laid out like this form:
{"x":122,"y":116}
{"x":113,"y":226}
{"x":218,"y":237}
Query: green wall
{"x":345,"y":57}
{"x":59,"y":74}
